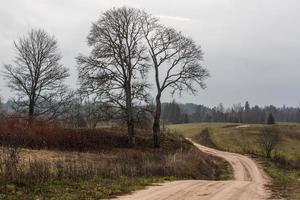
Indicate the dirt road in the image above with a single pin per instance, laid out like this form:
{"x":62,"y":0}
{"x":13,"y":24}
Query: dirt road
{"x":248,"y":184}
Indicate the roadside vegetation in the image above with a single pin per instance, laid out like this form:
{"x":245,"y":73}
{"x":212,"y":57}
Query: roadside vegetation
{"x":52,"y":162}
{"x":281,"y":161}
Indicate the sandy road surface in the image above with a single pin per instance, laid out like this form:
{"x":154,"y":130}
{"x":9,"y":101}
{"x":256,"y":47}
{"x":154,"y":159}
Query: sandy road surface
{"x":248,"y":184}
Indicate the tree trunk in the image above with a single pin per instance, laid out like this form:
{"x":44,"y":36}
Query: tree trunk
{"x":30,"y":112}
{"x":130,"y":120}
{"x":131,"y":137}
{"x":156,"y":123}
{"x":268,"y":153}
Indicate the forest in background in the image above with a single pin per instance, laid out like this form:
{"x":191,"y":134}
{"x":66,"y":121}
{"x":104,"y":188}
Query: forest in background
{"x":84,"y":115}
{"x":175,"y":113}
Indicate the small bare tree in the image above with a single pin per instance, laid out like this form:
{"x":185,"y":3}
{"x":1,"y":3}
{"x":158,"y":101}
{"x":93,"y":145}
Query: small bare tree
{"x":95,"y":112}
{"x":176,"y":63}
{"x":73,"y":115}
{"x":268,"y":139}
{"x":36,"y":75}
{"x":115,"y":70}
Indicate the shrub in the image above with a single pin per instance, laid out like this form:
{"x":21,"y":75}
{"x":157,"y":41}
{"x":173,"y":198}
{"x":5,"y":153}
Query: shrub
{"x":268,"y":139}
{"x":284,"y":162}
{"x":14,"y":131}
{"x":62,"y":138}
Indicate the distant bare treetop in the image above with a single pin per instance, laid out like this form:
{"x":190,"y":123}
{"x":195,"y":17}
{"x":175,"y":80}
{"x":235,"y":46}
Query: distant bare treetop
{"x":36,"y":75}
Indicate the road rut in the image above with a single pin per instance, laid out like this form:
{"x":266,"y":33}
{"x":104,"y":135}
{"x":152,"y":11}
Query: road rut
{"x":248,"y":184}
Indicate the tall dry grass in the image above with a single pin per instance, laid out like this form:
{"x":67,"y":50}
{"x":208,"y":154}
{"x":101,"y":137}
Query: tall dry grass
{"x":85,"y":154}
{"x":130,"y":163}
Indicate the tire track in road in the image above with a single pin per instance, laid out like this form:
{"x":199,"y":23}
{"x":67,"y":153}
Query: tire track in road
{"x":249,"y":183}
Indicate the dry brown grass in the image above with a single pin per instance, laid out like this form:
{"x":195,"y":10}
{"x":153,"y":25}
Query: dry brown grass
{"x":36,"y":160}
{"x":128,"y":162}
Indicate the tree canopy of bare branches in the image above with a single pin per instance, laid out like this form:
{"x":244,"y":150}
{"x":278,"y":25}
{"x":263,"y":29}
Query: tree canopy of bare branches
{"x":115,"y":70}
{"x":84,"y":112}
{"x":36,"y":74}
{"x":176,"y":61}
{"x":268,"y":140}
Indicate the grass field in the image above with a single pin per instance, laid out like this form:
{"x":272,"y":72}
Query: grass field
{"x":283,"y":166}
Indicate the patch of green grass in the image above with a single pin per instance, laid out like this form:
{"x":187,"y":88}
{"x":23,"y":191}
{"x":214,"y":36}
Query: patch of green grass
{"x":236,"y":138}
{"x":191,"y":129}
{"x":226,"y":172}
{"x":286,"y":176}
{"x":97,"y":188}
{"x":286,"y":183}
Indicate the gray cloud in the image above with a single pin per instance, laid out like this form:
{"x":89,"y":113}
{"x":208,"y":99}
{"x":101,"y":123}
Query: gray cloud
{"x":251,"y":47}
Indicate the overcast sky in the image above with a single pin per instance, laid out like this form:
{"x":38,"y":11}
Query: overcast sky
{"x":252,"y":47}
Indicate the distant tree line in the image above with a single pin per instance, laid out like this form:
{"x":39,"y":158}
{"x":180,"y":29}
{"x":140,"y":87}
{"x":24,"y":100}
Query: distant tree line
{"x":173,"y":113}
{"x":181,"y":113}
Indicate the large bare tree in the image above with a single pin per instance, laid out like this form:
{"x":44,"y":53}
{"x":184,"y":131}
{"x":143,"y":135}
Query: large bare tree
{"x":115,"y":70}
{"x":36,"y":74}
{"x":176,"y":61}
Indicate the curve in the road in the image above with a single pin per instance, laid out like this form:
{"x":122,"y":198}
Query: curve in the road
{"x":248,"y":184}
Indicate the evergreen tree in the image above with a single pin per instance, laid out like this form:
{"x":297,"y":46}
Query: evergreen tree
{"x":247,"y":112}
{"x":271,"y":119}
{"x":247,"y":106}
{"x":185,"y":118}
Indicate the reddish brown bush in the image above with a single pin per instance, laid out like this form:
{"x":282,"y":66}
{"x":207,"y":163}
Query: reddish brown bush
{"x":62,"y":138}
{"x":43,"y":134}
{"x":49,"y":135}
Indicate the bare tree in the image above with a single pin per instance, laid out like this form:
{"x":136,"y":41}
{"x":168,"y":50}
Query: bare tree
{"x":268,"y":140}
{"x":36,"y":75}
{"x":2,"y":112}
{"x":95,"y":112}
{"x":176,"y":62}
{"x":115,"y":70}
{"x":73,"y":116}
